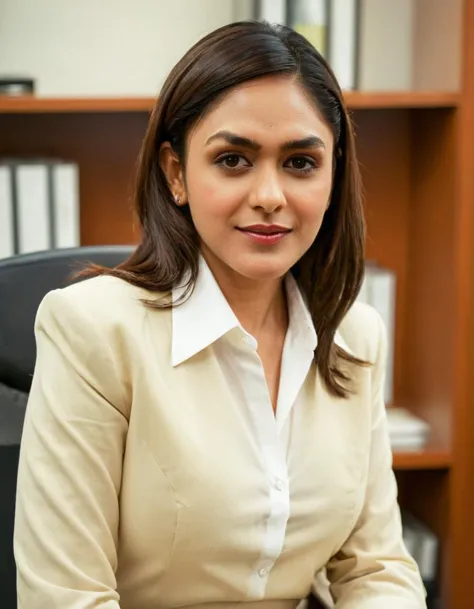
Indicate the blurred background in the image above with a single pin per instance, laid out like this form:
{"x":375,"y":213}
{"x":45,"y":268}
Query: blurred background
{"x":78,"y":80}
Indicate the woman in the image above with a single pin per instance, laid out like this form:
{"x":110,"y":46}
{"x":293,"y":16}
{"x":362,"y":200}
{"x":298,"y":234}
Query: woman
{"x":206,"y":424}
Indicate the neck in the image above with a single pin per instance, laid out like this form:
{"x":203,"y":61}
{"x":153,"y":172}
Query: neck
{"x":259,"y":305}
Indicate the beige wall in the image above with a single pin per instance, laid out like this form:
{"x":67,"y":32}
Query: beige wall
{"x":102,"y":47}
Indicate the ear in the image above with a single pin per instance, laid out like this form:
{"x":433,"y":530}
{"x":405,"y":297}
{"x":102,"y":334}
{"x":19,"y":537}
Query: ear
{"x":173,"y":170}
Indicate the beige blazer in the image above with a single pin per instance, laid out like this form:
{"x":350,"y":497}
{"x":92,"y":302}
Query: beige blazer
{"x":139,"y":487}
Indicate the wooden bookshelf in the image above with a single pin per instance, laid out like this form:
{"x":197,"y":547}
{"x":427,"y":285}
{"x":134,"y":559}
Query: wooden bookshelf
{"x":431,"y":457}
{"x":34,"y":105}
{"x":411,"y":99}
{"x":416,"y":151}
{"x":355,"y":100}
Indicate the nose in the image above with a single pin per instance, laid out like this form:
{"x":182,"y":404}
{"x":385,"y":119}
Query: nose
{"x":267,"y":192}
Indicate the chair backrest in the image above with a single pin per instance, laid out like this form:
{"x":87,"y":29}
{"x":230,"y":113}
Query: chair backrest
{"x":24,"y":281}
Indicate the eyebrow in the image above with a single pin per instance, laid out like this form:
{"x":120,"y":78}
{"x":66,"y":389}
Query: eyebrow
{"x":312,"y":141}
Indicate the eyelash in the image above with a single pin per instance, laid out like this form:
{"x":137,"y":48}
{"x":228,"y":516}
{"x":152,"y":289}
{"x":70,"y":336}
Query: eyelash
{"x":221,"y":162}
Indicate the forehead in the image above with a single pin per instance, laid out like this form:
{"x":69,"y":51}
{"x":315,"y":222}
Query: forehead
{"x":275,"y":107}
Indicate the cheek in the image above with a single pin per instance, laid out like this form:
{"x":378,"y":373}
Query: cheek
{"x":213,"y":197}
{"x":311,"y":203}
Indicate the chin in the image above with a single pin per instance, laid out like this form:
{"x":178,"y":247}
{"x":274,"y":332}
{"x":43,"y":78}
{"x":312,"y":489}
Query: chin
{"x":262,"y":266}
{"x":262,"y":270}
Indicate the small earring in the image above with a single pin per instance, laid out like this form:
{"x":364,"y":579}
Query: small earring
{"x":178,"y":199}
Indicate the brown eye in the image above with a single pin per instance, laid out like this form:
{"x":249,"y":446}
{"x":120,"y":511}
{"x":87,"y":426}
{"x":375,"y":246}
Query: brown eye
{"x":302,"y":164}
{"x":299,"y":163}
{"x":232,"y":160}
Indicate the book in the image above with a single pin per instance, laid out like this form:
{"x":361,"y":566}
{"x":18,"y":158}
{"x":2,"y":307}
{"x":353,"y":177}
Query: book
{"x":310,"y":19}
{"x":379,"y":290}
{"x":39,"y":205}
{"x":406,"y":431}
{"x":245,"y":9}
{"x":14,"y":86}
{"x":273,"y":11}
{"x":423,"y":546}
{"x":7,"y":220}
{"x":385,"y":45}
{"x":32,"y":206}
{"x":64,"y":193}
{"x":343,"y":40}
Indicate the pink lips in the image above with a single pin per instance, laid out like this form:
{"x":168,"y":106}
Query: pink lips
{"x":265,"y":234}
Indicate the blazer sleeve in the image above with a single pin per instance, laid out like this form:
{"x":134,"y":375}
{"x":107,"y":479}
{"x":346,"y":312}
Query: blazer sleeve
{"x":67,"y":511}
{"x":373,"y":569}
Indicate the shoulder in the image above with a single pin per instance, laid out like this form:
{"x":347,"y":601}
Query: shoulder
{"x":101,"y":297}
{"x":96,"y":293}
{"x":98,"y":326}
{"x":363,"y":331}
{"x":105,"y":303}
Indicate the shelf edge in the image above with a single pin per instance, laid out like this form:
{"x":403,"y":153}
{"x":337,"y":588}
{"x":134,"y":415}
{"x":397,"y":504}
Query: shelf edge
{"x":355,"y":100}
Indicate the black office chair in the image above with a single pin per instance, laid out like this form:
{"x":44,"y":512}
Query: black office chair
{"x":24,"y":281}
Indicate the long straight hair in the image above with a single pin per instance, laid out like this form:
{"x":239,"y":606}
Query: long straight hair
{"x":330,"y":273}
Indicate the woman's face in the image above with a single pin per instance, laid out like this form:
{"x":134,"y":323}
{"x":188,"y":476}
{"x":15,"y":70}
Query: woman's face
{"x":258,"y":178}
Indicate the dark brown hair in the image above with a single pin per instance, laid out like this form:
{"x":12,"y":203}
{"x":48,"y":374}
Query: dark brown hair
{"x":331,"y":271}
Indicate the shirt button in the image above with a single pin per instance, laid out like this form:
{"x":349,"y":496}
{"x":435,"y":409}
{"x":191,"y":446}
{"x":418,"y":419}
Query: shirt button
{"x":263,"y":572}
{"x":279,"y":484}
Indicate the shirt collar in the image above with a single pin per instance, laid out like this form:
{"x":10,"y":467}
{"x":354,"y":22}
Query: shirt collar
{"x":202,"y":318}
{"x":301,"y":323}
{"x":205,"y":316}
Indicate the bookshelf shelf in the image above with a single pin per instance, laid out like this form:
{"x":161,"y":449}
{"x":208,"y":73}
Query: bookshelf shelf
{"x":355,"y":100}
{"x":432,"y":457}
{"x":39,"y":105}
{"x":413,"y":99}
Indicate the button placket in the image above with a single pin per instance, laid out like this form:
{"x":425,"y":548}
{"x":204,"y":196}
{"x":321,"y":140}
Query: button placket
{"x":275,"y":471}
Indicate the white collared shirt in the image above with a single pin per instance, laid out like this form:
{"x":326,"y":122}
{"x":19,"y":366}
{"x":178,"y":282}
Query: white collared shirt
{"x":206,"y":319}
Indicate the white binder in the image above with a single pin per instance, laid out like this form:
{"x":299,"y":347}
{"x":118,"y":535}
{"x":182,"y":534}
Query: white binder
{"x":343,"y":40}
{"x":273,"y":11}
{"x":379,"y":291}
{"x":7,"y":213}
{"x":64,"y":184}
{"x":385,"y":45}
{"x":32,"y":206}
